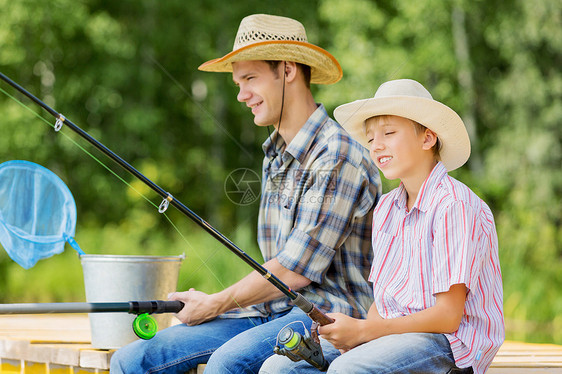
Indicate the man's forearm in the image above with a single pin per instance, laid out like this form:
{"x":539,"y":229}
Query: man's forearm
{"x":254,"y":289}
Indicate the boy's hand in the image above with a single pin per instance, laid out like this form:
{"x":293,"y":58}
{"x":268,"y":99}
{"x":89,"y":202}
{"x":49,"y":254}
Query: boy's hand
{"x":343,"y":333}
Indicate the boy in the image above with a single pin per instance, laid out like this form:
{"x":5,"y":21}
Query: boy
{"x":436,"y":275}
{"x":319,"y":189}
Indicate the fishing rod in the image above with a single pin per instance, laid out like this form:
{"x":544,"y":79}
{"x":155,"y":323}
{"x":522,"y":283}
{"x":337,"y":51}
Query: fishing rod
{"x":132,"y":307}
{"x":306,"y":306}
{"x":144,"y":326}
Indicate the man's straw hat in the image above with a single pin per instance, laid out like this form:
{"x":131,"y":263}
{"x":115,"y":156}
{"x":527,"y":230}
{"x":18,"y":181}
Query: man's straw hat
{"x":265,"y":37}
{"x":409,"y":99}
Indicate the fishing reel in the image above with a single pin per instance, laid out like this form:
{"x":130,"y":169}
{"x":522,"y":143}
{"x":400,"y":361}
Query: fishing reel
{"x":298,"y":347}
{"x":145,"y":326}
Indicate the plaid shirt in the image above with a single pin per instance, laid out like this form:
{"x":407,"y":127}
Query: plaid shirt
{"x":315,"y":215}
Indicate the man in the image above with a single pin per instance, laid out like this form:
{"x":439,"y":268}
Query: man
{"x":319,"y":189}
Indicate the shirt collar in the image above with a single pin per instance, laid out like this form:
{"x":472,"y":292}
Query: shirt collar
{"x":426,"y":192}
{"x":301,"y":143}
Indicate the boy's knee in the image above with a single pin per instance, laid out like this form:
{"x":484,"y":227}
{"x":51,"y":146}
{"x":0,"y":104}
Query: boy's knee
{"x":349,"y":365}
{"x":222,"y":364}
{"x":277,"y":365}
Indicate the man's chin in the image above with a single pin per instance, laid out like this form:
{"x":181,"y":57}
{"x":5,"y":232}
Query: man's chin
{"x":262,"y":123}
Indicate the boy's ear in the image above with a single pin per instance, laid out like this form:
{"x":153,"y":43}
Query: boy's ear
{"x":429,"y":139}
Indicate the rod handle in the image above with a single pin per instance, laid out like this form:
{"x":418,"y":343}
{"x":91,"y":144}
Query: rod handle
{"x":312,"y":311}
{"x":318,"y":316}
{"x":155,"y":306}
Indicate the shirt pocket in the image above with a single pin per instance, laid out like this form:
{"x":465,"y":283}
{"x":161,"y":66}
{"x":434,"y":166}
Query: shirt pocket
{"x":384,"y":257}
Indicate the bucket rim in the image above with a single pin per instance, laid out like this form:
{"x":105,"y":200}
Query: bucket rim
{"x":130,"y":258}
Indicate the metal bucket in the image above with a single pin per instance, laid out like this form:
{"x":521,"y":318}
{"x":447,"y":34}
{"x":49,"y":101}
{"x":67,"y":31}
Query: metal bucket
{"x":126,"y":278}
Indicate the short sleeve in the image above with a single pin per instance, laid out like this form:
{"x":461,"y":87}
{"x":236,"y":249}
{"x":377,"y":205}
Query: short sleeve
{"x":456,"y":256}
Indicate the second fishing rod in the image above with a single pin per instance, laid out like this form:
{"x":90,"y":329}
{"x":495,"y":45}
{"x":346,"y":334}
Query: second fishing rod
{"x":306,"y":306}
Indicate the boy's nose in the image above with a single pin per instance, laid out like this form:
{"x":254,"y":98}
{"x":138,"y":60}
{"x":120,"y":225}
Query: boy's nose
{"x":376,"y":145}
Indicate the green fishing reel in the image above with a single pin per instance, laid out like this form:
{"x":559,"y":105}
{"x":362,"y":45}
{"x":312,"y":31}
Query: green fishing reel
{"x":145,"y":326}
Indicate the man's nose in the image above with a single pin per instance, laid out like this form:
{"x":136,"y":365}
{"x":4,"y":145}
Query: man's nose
{"x":243,"y":95}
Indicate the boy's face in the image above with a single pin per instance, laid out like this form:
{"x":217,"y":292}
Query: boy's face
{"x":396,"y":147}
{"x":260,"y":88}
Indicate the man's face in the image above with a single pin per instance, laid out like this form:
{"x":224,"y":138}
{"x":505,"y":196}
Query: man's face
{"x":260,"y":88}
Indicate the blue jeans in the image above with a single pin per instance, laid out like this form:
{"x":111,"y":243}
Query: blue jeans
{"x":401,"y":353}
{"x":233,"y":345}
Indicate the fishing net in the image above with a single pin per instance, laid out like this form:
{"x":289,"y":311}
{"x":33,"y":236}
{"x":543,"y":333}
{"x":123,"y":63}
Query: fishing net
{"x":37,"y":213}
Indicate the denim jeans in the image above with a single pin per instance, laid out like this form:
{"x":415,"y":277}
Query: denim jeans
{"x":227,"y":345}
{"x":401,"y":353}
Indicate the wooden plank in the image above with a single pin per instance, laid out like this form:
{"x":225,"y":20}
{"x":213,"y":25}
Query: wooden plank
{"x":60,"y":369}
{"x":493,"y":370}
{"x":35,"y":368}
{"x":95,"y":358}
{"x":518,"y":357}
{"x":73,"y":328}
{"x":10,"y":366}
{"x":13,"y":349}
{"x":60,"y":354}
{"x":89,"y":371}
{"x":198,"y":370}
{"x":60,"y":343}
{"x":517,"y":347}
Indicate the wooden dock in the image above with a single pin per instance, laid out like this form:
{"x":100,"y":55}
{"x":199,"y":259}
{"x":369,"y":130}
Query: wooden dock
{"x":60,"y":344}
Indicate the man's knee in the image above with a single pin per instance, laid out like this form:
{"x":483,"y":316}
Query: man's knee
{"x":119,"y":360}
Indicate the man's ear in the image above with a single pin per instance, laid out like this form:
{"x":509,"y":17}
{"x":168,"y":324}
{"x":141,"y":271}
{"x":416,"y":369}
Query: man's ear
{"x":291,"y":70}
{"x":429,"y":139}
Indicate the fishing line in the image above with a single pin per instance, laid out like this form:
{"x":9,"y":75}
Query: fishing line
{"x":210,"y":115}
{"x":297,"y":299}
{"x":203,"y":262}
{"x":201,"y":107}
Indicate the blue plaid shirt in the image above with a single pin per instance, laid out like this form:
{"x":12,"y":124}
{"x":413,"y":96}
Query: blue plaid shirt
{"x":318,"y":194}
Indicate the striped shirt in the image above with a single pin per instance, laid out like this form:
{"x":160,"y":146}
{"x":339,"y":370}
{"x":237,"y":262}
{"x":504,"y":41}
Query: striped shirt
{"x":318,"y":194}
{"x":447,"y":238}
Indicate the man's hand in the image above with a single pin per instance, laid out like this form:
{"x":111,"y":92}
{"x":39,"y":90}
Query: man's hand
{"x":199,"y":307}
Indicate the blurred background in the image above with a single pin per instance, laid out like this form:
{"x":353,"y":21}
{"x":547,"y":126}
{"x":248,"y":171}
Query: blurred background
{"x":126,"y":72}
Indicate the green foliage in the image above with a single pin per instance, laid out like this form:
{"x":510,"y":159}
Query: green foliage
{"x":126,"y":72}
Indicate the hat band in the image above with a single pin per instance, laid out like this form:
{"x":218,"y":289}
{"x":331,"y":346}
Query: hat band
{"x":255,"y":36}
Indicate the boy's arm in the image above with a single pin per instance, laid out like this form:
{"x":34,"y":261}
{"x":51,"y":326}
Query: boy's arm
{"x":443,"y":317}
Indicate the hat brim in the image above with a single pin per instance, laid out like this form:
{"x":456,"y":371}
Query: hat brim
{"x":445,"y":122}
{"x":325,"y":69}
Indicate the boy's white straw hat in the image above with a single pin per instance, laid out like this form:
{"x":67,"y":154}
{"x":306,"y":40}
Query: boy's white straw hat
{"x":409,"y":99}
{"x":265,"y":37}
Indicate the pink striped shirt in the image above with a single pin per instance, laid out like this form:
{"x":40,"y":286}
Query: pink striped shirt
{"x":447,"y":238}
